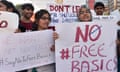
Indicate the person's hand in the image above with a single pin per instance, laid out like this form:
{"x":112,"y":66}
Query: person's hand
{"x":55,"y":35}
{"x":118,"y":23}
{"x":17,"y":31}
{"x":118,"y":42}
{"x":52,"y":48}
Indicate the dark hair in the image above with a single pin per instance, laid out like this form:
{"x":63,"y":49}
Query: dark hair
{"x":40,"y":13}
{"x":84,"y":6}
{"x":5,"y":3}
{"x":11,"y":5}
{"x":99,"y":4}
{"x":27,"y":5}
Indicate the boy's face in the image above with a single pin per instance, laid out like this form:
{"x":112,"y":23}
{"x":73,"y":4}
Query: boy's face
{"x":27,"y":13}
{"x":99,"y":10}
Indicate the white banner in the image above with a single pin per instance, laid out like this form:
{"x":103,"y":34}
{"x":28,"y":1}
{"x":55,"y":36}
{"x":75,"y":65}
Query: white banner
{"x":86,"y":47}
{"x":8,"y":22}
{"x":25,"y":50}
{"x":63,"y":13}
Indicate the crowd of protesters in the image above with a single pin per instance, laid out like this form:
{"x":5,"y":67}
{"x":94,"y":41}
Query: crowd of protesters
{"x":43,"y":19}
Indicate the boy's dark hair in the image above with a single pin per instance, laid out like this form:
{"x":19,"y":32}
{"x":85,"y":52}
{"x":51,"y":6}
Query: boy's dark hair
{"x":99,"y":4}
{"x":27,"y":5}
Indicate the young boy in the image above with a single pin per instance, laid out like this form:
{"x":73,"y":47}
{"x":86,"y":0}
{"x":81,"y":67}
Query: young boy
{"x":99,"y":8}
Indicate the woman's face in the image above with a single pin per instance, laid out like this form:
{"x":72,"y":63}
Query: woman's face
{"x":44,"y":22}
{"x":3,"y":7}
{"x":84,"y":15}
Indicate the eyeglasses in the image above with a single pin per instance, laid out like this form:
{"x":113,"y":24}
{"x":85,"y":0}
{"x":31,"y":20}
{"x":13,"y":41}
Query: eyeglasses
{"x":46,"y":18}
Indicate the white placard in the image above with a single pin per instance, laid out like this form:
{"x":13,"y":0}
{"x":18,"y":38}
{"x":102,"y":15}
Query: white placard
{"x":8,"y":22}
{"x":86,"y":47}
{"x":63,"y":13}
{"x":25,"y":50}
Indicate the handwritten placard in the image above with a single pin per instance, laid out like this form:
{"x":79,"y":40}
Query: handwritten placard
{"x":86,"y":47}
{"x":8,"y":22}
{"x":63,"y":13}
{"x":25,"y":50}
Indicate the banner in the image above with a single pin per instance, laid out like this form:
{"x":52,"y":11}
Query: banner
{"x":25,"y":50}
{"x":63,"y":13}
{"x":43,"y":3}
{"x":86,"y":47}
{"x":8,"y":22}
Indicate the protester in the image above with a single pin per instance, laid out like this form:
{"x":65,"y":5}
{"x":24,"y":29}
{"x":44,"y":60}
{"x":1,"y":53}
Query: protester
{"x":42,"y":21}
{"x":12,"y":8}
{"x":84,"y":14}
{"x":8,"y":6}
{"x":4,"y":5}
{"x":118,"y":22}
{"x":106,"y":11}
{"x":116,"y":13}
{"x":99,"y":8}
{"x":26,"y":23}
{"x":118,"y":45}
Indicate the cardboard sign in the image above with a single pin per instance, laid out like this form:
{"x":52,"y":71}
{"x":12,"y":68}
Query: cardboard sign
{"x":8,"y":22}
{"x":86,"y":47}
{"x":25,"y":50}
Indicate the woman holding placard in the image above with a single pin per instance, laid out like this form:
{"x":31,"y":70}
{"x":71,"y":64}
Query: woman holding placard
{"x":42,"y":21}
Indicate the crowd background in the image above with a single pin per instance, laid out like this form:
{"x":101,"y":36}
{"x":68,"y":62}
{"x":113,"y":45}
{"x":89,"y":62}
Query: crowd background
{"x":40,"y":20}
